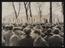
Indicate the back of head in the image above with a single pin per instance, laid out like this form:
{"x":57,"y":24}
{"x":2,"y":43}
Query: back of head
{"x":9,"y":27}
{"x":27,"y":31}
{"x":48,"y":31}
{"x":17,"y":30}
{"x":58,"y":27}
{"x":37,"y":31}
{"x":30,"y":26}
{"x":56,"y":31}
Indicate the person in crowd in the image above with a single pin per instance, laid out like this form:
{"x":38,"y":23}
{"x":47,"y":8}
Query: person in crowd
{"x":38,"y":27}
{"x":38,"y":40}
{"x":7,"y":35}
{"x":56,"y":40}
{"x":16,"y":36}
{"x":28,"y":40}
{"x":43,"y":28}
{"x":48,"y":34}
{"x":62,"y":29}
{"x":3,"y":41}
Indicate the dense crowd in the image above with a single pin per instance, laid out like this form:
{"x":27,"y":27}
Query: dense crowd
{"x":36,"y":35}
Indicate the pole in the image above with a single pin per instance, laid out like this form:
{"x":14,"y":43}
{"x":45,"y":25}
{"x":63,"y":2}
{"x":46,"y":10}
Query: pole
{"x":50,"y":19}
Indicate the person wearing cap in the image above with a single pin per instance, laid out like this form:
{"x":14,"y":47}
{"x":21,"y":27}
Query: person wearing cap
{"x":16,"y":36}
{"x":48,"y":34}
{"x":3,"y":32}
{"x":7,"y":35}
{"x":38,"y":27}
{"x":56,"y":40}
{"x":27,"y":41}
{"x":43,"y":26}
{"x":61,"y":32}
{"x":38,"y":40}
{"x":3,"y":41}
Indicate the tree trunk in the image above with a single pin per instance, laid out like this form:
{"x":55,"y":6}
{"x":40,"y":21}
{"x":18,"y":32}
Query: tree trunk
{"x":30,"y":12}
{"x":19,"y":9}
{"x":63,"y":8}
{"x":50,"y":19}
{"x":40,"y":13}
{"x":14,"y":10}
{"x":16,"y":14}
{"x":26,"y":10}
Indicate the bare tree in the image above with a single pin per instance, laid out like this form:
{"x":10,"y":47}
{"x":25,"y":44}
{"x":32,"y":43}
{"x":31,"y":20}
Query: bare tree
{"x":19,"y":8}
{"x":50,"y":19}
{"x":27,"y":6}
{"x":58,"y":20}
{"x":30,"y":11}
{"x":14,"y":9}
{"x":16,"y":14}
{"x":58,"y":5}
{"x":63,"y":8}
{"x":40,"y":11}
{"x":26,"y":10}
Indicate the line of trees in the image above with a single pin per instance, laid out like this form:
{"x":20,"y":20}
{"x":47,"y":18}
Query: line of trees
{"x":27,"y":6}
{"x":16,"y":13}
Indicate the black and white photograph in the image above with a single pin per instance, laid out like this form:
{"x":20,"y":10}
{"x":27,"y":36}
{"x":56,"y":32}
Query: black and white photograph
{"x":33,"y":24}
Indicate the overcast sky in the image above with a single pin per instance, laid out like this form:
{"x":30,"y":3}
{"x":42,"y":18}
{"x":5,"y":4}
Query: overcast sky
{"x":8,"y":12}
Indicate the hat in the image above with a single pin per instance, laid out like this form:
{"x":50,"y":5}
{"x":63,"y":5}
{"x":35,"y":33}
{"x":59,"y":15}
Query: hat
{"x":56,"y":31}
{"x":9,"y":27}
{"x":49,"y":30}
{"x":37,"y":31}
{"x":17,"y":28}
{"x":27,"y":30}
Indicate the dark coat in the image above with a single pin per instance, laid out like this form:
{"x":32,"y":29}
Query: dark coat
{"x":27,"y":41}
{"x":6,"y":37}
{"x":14,"y":40}
{"x":55,"y":41}
{"x":47,"y":37}
{"x":40,"y":43}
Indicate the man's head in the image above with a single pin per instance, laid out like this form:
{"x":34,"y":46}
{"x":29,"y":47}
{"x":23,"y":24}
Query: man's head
{"x":30,"y":26}
{"x":56,"y":31}
{"x":27,"y":31}
{"x":48,"y":31}
{"x":17,"y":31}
{"x":36,"y":33}
{"x":8,"y":28}
{"x":59,"y":27}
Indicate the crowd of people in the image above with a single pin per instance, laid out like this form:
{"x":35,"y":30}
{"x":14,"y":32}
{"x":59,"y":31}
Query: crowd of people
{"x":36,"y":35}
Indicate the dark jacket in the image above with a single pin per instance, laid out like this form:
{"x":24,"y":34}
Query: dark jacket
{"x":55,"y":41}
{"x":7,"y":36}
{"x":27,"y":41}
{"x":47,"y":37}
{"x":40,"y":43}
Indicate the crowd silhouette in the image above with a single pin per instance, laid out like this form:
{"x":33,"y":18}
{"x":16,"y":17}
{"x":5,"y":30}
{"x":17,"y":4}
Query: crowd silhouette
{"x":35,"y":35}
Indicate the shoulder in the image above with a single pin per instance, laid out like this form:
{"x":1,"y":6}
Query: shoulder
{"x":43,"y":39}
{"x":13,"y":37}
{"x":40,"y":40}
{"x":52,"y":37}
